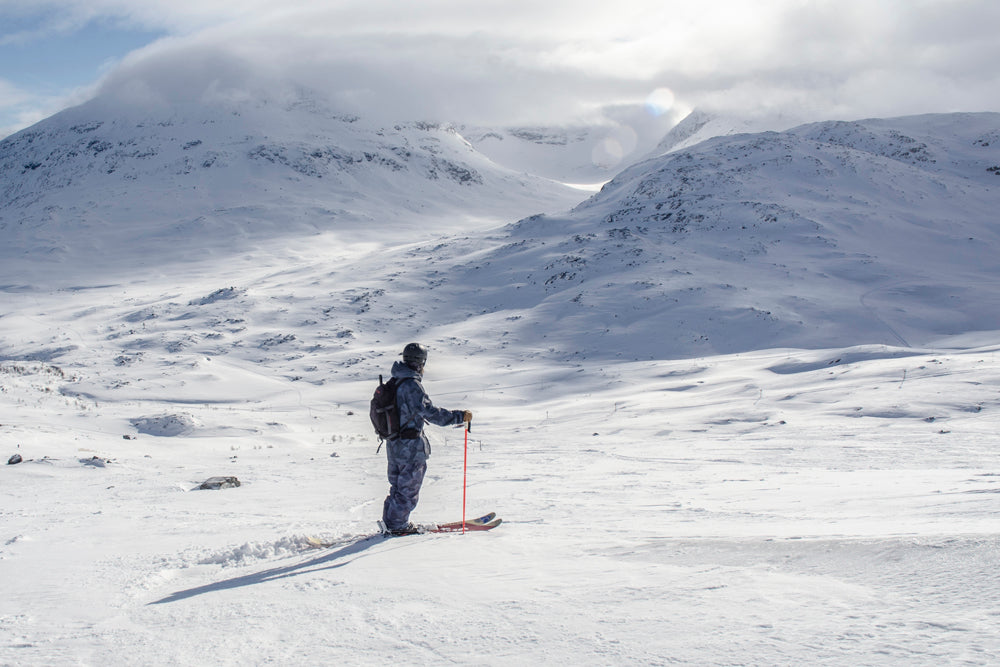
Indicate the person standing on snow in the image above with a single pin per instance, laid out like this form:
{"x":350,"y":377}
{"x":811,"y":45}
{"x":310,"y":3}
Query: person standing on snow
{"x":408,"y":453}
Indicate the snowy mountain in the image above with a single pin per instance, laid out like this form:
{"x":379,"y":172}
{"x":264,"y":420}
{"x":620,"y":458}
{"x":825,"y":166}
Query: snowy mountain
{"x":738,"y":407}
{"x":830,"y":234}
{"x":827,"y":235}
{"x":191,"y":181}
{"x":563,"y":154}
{"x":700,"y":125}
{"x":585,"y":154}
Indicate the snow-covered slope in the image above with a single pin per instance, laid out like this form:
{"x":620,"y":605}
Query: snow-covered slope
{"x":700,"y":125}
{"x":829,"y":234}
{"x":165,"y":318}
{"x":571,"y":155}
{"x":101,"y":184}
{"x":580,"y":155}
{"x":585,"y":154}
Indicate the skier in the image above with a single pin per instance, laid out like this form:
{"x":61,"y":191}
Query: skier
{"x":408,"y":453}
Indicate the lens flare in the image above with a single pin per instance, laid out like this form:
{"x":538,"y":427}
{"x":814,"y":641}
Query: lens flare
{"x":607,"y":153}
{"x":660,"y":101}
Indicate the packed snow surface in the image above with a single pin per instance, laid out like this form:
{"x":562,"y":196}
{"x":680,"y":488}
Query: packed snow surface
{"x":739,"y":407}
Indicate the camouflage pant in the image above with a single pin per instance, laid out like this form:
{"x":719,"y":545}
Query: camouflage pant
{"x":407,"y":466}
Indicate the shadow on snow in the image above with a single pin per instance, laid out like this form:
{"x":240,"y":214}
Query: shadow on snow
{"x":329,"y":561}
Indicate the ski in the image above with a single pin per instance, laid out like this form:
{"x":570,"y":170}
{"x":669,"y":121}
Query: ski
{"x":485,"y":522}
{"x":456,"y":527}
{"x":486,"y":518}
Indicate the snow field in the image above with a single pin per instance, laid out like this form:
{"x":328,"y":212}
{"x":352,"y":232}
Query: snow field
{"x":703,"y":510}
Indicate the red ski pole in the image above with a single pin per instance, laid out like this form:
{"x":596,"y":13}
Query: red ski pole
{"x":465,"y":474}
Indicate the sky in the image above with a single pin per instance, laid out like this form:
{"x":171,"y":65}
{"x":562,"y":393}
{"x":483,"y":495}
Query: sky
{"x":507,"y":62}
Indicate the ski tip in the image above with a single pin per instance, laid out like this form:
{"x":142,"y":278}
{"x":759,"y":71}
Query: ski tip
{"x":468,"y":527}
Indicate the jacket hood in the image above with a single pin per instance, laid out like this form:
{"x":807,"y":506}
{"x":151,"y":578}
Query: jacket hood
{"x":401,"y":370}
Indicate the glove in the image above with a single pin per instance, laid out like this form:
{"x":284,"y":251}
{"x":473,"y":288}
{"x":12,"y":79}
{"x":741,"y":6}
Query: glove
{"x":467,"y":418}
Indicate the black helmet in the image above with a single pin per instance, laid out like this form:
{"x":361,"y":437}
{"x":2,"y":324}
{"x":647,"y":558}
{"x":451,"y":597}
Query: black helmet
{"x":415,"y":356}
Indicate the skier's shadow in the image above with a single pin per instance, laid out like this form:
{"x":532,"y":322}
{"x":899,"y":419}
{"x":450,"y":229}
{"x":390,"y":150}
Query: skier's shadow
{"x":326,"y":561}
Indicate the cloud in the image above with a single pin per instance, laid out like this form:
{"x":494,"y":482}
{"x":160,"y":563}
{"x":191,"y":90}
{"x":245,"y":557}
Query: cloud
{"x":857,"y":59}
{"x":20,"y":108}
{"x":392,"y":73}
{"x":521,"y":61}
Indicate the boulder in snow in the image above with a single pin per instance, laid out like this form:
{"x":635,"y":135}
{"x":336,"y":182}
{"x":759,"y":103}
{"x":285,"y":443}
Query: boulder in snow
{"x":213,"y":483}
{"x":164,"y":425}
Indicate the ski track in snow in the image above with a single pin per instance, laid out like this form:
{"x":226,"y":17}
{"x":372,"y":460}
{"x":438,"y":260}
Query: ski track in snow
{"x":770,"y":505}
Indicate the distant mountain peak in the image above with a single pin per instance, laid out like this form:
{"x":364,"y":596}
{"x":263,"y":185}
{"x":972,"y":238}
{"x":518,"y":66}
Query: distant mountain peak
{"x":701,"y":125}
